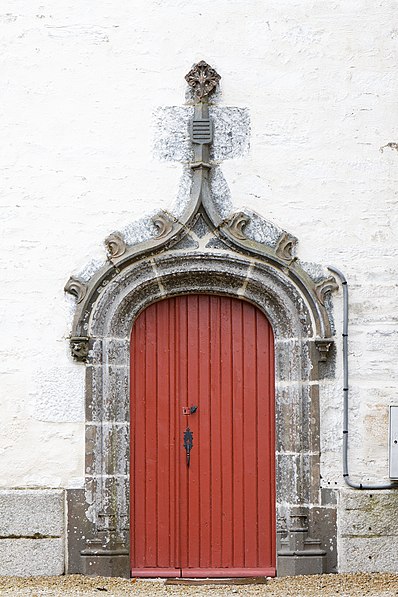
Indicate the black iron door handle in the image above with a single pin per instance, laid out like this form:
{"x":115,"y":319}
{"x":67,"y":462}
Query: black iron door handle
{"x":188,"y":443}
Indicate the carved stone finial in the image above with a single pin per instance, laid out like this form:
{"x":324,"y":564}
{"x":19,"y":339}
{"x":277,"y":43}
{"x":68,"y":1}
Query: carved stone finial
{"x":115,"y":245}
{"x":79,"y":347}
{"x":237,"y":223}
{"x":77,"y":288}
{"x":285,"y":246}
{"x":327,"y":285}
{"x":203,"y":79}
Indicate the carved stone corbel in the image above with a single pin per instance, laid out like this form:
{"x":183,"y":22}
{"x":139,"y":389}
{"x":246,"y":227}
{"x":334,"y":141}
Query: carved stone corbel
{"x":285,"y":246}
{"x":79,"y":347}
{"x":325,"y":286}
{"x":76,"y":288}
{"x":115,"y":245}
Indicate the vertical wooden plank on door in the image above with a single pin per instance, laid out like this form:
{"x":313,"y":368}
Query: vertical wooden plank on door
{"x":266,"y":443}
{"x":250,"y":425}
{"x":151,"y":439}
{"x":194,"y":309}
{"x":182,"y":393}
{"x":138,"y":400}
{"x":227,"y":446}
{"x":215,"y":430}
{"x":237,"y":414}
{"x":203,"y":443}
{"x":165,"y":530}
{"x":175,"y":439}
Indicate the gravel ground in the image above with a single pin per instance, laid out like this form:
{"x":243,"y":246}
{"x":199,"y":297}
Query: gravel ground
{"x":336,"y":585}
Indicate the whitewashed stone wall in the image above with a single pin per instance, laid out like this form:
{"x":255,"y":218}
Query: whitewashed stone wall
{"x":82,"y":84}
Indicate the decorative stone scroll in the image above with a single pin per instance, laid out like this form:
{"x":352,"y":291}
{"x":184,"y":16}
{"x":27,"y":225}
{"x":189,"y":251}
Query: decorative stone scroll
{"x":76,"y":288}
{"x":116,"y":245}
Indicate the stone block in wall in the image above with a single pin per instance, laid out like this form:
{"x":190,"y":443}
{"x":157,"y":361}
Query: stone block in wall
{"x":368,"y":554}
{"x":322,"y":524}
{"x":31,"y":557}
{"x":368,"y":513}
{"x":368,"y":531}
{"x":31,"y":513}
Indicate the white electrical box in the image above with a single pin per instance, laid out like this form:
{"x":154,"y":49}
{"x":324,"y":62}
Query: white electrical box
{"x":393,"y":451}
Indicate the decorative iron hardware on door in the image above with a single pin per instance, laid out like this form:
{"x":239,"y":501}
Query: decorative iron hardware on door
{"x":188,"y":443}
{"x":189,"y":410}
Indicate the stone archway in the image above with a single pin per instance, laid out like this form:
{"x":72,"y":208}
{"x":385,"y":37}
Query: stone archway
{"x":199,"y":253}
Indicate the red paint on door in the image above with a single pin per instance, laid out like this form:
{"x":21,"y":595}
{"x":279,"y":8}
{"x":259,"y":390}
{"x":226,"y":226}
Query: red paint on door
{"x":217,"y":516}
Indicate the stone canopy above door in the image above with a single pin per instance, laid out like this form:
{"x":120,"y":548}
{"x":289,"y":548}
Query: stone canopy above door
{"x":203,"y":227}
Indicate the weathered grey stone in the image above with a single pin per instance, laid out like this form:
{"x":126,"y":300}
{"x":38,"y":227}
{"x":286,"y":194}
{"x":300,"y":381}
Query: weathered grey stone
{"x":311,"y":474}
{"x":231,"y":132}
{"x":93,"y":549}
{"x":289,"y":479}
{"x":31,"y":557}
{"x":368,"y":513}
{"x":117,"y":351}
{"x":187,"y":242}
{"x":294,"y":565}
{"x":201,"y":227}
{"x":79,"y":529}
{"x":368,"y":554}
{"x":323,"y":525}
{"x":30,"y":513}
{"x":328,"y":496}
{"x":172,"y":143}
{"x":289,"y":409}
{"x":106,"y":385}
{"x":107,"y":448}
{"x":261,"y":230}
{"x":221,"y":194}
{"x":216,"y":243}
{"x":113,"y":564}
{"x":291,"y":360}
{"x":95,"y":354}
{"x":368,"y":531}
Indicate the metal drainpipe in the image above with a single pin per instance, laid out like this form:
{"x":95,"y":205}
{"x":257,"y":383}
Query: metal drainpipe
{"x":345,"y":394}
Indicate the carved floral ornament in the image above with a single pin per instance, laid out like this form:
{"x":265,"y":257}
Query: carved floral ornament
{"x":203,"y":79}
{"x":232,"y":236}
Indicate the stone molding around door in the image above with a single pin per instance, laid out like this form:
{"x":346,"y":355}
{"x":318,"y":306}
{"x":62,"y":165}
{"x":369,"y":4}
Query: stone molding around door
{"x":241,"y":256}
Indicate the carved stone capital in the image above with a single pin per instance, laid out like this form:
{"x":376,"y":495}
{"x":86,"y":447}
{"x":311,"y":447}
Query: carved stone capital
{"x":79,"y":347}
{"x":323,"y":348}
{"x":285,"y":246}
{"x":322,"y":288}
{"x":76,"y":288}
{"x":203,"y":79}
{"x":236,"y":223}
{"x":115,"y":245}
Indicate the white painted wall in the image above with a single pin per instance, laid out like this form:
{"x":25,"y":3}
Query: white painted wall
{"x":80,"y":84}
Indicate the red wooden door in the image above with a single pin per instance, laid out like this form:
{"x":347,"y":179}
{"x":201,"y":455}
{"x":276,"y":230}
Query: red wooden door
{"x":215,"y":517}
